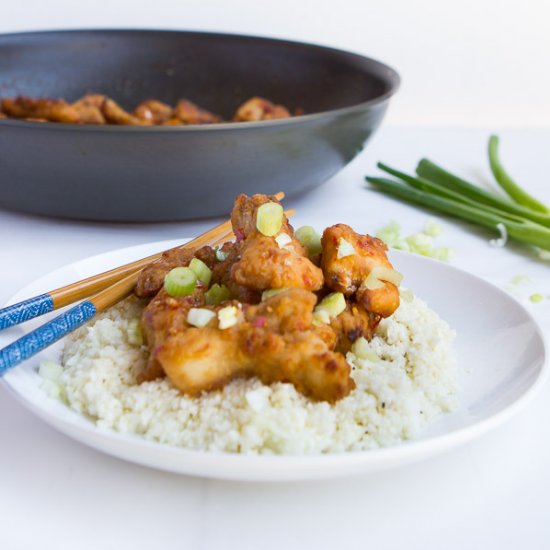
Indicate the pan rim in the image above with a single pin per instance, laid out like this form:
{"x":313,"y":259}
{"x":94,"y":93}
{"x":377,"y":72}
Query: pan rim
{"x":385,"y":72}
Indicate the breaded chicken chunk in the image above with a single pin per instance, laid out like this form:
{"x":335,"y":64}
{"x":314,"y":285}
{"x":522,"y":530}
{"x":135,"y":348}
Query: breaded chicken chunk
{"x":55,"y":110}
{"x":346,"y":273}
{"x":258,"y":108}
{"x":274,"y":341}
{"x":264,"y":263}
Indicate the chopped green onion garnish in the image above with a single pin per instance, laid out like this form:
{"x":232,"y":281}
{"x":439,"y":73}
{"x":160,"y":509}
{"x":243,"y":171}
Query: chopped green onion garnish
{"x":390,"y":234}
{"x":432,"y":228}
{"x":345,"y":249}
{"x":200,"y":317}
{"x":331,"y":306}
{"x":283,"y":240}
{"x":519,"y":279}
{"x":321,"y":316}
{"x":53,"y":389}
{"x":221,"y":255}
{"x":227,"y":317}
{"x":420,"y":243}
{"x":135,"y":336}
{"x":362,"y":349}
{"x":49,"y":370}
{"x":271,"y":292}
{"x":201,"y":270}
{"x":310,"y":239}
{"x":536,"y":298}
{"x":216,"y":294}
{"x":180,"y":281}
{"x":380,"y":274}
{"x":269,"y":218}
{"x":442,"y":253}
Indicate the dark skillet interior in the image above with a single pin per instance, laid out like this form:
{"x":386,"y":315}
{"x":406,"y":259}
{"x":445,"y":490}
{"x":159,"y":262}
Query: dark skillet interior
{"x":216,"y":71}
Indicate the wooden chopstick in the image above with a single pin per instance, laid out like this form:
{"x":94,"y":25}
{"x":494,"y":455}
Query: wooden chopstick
{"x":69,"y":294}
{"x":52,"y":331}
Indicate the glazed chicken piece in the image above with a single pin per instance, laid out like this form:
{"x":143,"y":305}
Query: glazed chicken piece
{"x":54,"y":110}
{"x":189,"y":113}
{"x":154,"y":111}
{"x":353,"y":323}
{"x":221,"y":271}
{"x":263,"y":263}
{"x":273,"y":341}
{"x":347,"y":274}
{"x":243,"y":215}
{"x":151,"y":278}
{"x":115,"y":114}
{"x":88,"y":108}
{"x":163,"y":316}
{"x":258,"y":108}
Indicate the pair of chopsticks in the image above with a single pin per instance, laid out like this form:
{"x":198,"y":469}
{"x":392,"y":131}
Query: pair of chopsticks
{"x":103,"y":291}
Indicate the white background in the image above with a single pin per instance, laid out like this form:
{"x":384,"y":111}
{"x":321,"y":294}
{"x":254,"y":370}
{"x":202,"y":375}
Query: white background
{"x":471,"y":63}
{"x":468,"y":63}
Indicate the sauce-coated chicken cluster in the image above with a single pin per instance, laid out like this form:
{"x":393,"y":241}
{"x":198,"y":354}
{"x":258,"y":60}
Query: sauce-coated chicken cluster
{"x":277,"y":329}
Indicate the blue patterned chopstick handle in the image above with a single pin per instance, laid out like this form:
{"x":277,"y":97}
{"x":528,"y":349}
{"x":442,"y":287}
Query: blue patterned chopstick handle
{"x":44,"y":336}
{"x":26,"y":310}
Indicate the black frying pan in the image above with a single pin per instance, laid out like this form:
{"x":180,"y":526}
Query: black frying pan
{"x":175,"y":173}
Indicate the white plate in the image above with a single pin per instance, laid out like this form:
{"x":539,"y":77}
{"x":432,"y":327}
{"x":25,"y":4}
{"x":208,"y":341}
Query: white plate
{"x":500,"y":350}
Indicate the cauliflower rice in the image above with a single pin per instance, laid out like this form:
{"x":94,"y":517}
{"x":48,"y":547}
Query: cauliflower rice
{"x":405,"y":377}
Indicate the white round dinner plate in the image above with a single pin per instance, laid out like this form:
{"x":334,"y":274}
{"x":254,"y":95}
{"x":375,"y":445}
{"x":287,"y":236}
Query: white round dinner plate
{"x":501,"y":358}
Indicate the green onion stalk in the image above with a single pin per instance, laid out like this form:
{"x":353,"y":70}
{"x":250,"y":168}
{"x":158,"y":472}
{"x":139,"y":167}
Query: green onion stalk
{"x":526,"y":219}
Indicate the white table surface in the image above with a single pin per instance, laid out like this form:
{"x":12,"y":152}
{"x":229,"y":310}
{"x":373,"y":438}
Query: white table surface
{"x":491,"y":493}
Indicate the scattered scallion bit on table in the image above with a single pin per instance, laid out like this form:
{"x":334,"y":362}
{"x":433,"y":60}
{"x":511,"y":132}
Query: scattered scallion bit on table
{"x":536,"y":298}
{"x":520,"y":217}
{"x":422,"y":243}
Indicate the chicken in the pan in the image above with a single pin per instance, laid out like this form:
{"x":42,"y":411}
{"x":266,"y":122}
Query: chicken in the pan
{"x":100,"y":109}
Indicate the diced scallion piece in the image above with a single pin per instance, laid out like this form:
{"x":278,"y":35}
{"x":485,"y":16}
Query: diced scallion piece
{"x":269,"y":219}
{"x":420,"y":243}
{"x":330,"y":306}
{"x":283,"y":240}
{"x":227,"y":317}
{"x":406,"y":294}
{"x":363,"y":350}
{"x":221,"y":255}
{"x":271,"y":292}
{"x":49,"y":370}
{"x":345,"y":249}
{"x":536,"y":298}
{"x":201,"y":270}
{"x":310,"y":239}
{"x":390,"y":234}
{"x":321,"y":316}
{"x":135,"y":336}
{"x":200,"y":317}
{"x":180,"y":281}
{"x":216,"y":294}
{"x":380,"y":274}
{"x":53,"y":389}
{"x":432,"y":228}
{"x":442,"y":253}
